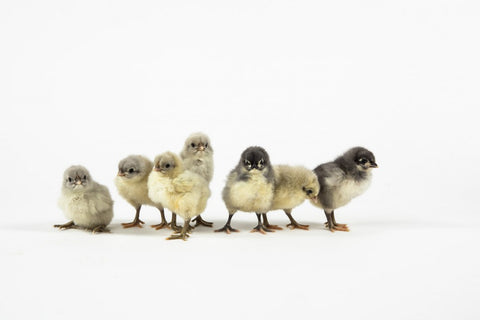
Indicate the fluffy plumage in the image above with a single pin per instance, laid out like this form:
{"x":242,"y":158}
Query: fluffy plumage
{"x":197,"y":156}
{"x":342,"y":180}
{"x":85,"y":202}
{"x":181,"y":191}
{"x":131,"y":182}
{"x":250,"y":186}
{"x":293,"y":185}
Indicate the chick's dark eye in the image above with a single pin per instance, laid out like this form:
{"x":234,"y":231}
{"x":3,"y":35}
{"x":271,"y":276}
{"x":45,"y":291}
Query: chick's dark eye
{"x":167,"y":165}
{"x":206,"y":145}
{"x":362,"y":160}
{"x":69,"y":179}
{"x":192,"y":145}
{"x":84,"y":177}
{"x":309,"y":191}
{"x":130,"y":170}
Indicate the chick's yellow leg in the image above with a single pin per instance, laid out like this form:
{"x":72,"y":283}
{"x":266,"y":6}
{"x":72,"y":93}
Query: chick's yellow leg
{"x":183,"y":234}
{"x":164,"y":223}
{"x":200,"y":222}
{"x":136,"y":221}
{"x":268,"y":225}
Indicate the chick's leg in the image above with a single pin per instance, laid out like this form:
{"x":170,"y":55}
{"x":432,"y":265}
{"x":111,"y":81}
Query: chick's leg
{"x":294,"y":224}
{"x":268,"y":225}
{"x":101,"y":229}
{"x":183,"y":234}
{"x":164,"y":223}
{"x":332,"y":225}
{"x":173,"y":223}
{"x":260,"y":227}
{"x":136,"y":221}
{"x":339,"y":226}
{"x":227,"y":227}
{"x":199,"y":221}
{"x":68,"y":225}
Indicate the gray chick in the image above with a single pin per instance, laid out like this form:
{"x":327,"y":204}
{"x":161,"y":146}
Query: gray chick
{"x":197,"y":156}
{"x":131,"y":182}
{"x":342,"y":180}
{"x":250,"y":187}
{"x":85,"y":202}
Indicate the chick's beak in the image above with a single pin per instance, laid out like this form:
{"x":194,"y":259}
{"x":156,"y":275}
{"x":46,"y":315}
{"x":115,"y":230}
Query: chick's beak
{"x":373,"y":165}
{"x":121,"y":174}
{"x":200,"y":147}
{"x":157,"y":169}
{"x":78,"y":182}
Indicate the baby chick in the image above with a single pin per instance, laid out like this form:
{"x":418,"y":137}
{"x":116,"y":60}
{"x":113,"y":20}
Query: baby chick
{"x":197,"y":156}
{"x":250,"y":186}
{"x":342,"y":180}
{"x":87,"y":203}
{"x":293,"y":185}
{"x":181,"y":191}
{"x":131,"y":183}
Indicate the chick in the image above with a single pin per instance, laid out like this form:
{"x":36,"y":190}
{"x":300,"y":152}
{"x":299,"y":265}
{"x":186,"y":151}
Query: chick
{"x":197,"y":156}
{"x":131,"y":182}
{"x":342,"y":180}
{"x":250,"y":187}
{"x":181,"y":191}
{"x":85,"y":202}
{"x":293,"y":185}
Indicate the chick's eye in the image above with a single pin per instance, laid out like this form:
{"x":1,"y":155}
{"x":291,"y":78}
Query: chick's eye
{"x":309,"y":192}
{"x":206,"y":145}
{"x":192,"y":145}
{"x":69,"y":179}
{"x":130,"y":170}
{"x":362,"y":160}
{"x":167,"y":165}
{"x":84,"y":177}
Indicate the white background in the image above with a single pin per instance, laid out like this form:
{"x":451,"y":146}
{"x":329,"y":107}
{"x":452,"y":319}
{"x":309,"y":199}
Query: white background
{"x":90,"y":82}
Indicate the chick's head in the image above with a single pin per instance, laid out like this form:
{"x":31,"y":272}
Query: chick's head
{"x":363,"y":158}
{"x":255,"y":158}
{"x":197,"y":144}
{"x":168,"y":164}
{"x":77,"y":178}
{"x":311,"y":187}
{"x":134,"y":167}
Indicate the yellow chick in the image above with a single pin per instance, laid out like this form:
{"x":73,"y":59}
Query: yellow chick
{"x":181,"y":191}
{"x":131,"y":182}
{"x":293,"y":185}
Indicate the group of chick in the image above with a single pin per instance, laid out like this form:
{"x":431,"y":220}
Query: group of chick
{"x":180,"y":183}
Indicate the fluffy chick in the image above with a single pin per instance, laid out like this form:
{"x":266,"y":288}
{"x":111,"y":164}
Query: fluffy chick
{"x":131,"y":182}
{"x":293,"y":185}
{"x":250,"y":187}
{"x":85,"y":202}
{"x":181,"y":191}
{"x":342,"y":180}
{"x":197,"y":156}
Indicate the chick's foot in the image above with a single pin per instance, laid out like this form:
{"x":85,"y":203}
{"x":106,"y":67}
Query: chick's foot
{"x":101,"y":229}
{"x":134,"y":223}
{"x":199,"y":221}
{"x":68,"y":225}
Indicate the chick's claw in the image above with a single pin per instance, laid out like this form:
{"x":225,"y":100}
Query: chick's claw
{"x":292,"y":226}
{"x":227,"y":229}
{"x":262,"y":229}
{"x":200,"y":222}
{"x":134,"y":223}
{"x":162,"y":225}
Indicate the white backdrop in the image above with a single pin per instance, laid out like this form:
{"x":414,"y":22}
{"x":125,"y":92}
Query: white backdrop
{"x":90,"y":82}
